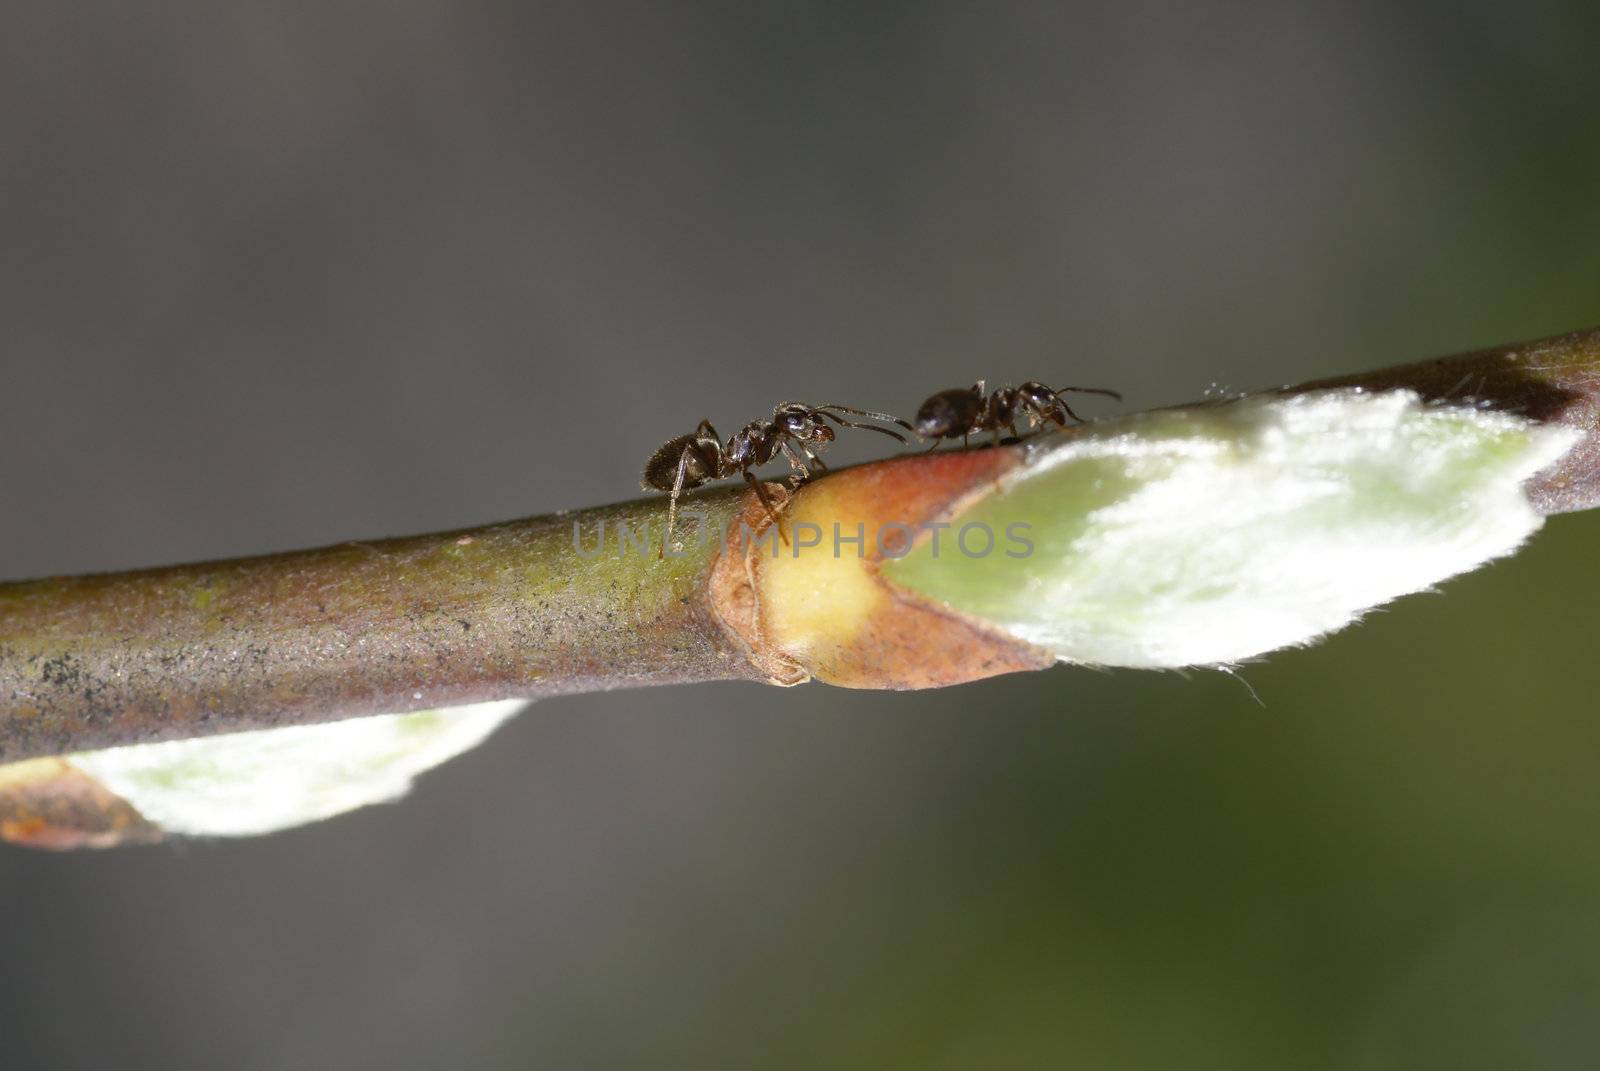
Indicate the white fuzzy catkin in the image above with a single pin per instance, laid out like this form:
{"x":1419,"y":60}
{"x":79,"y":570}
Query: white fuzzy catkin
{"x":1267,"y":522}
{"x":241,"y":784}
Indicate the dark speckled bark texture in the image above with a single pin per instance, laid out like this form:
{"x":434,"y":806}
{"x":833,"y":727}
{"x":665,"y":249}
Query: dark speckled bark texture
{"x":498,"y":612}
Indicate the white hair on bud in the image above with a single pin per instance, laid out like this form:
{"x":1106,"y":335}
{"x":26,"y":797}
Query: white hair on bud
{"x":241,"y":784}
{"x":1218,"y":533}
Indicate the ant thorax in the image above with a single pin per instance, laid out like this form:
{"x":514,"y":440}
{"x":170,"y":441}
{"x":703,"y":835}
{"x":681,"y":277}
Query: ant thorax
{"x":750,"y":446}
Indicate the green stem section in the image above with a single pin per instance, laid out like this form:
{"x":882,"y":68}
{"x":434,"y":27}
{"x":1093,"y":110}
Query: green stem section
{"x":517,"y":609}
{"x":528,"y":608}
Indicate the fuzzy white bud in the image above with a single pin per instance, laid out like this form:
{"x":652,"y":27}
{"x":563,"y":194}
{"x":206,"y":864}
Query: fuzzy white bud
{"x":1212,"y":534}
{"x":241,"y":784}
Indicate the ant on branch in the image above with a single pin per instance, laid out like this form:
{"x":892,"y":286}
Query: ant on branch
{"x":796,"y":430}
{"x":960,"y":413}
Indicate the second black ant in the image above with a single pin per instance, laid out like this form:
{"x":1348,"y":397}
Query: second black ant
{"x":961,"y":413}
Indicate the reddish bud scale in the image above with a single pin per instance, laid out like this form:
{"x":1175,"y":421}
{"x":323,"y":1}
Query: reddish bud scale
{"x":825,"y":611}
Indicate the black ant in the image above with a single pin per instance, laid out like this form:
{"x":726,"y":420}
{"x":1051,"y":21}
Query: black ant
{"x":796,"y":430}
{"x":960,"y":413}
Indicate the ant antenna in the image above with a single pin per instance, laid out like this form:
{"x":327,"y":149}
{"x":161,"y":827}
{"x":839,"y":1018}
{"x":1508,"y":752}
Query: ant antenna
{"x":1056,"y":394}
{"x":873,"y":414}
{"x":843,"y":423}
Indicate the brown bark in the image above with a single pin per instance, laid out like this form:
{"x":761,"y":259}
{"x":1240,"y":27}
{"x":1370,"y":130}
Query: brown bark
{"x":516,"y":610}
{"x":504,"y":611}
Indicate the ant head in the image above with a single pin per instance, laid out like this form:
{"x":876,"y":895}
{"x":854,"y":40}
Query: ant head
{"x":801,"y":422}
{"x":947,"y":414}
{"x":1037,"y":393}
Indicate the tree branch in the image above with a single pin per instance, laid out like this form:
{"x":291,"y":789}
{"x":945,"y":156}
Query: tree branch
{"x":507,"y":610}
{"x":527,"y":609}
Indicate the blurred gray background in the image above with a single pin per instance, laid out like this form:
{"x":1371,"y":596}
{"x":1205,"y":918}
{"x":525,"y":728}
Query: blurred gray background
{"x":273,"y":277}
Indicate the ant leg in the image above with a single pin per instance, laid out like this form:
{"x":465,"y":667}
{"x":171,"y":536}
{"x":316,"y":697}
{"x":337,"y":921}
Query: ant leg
{"x":672,"y":506}
{"x":766,"y":504}
{"x":1069,"y":412}
{"x":802,"y":463}
{"x":1039,"y":416}
{"x":796,"y":462}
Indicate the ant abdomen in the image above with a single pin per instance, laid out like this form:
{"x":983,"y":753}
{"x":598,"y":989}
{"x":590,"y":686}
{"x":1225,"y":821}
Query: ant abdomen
{"x":687,"y":461}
